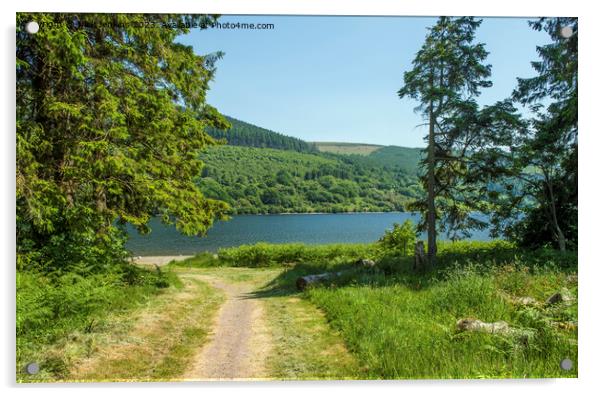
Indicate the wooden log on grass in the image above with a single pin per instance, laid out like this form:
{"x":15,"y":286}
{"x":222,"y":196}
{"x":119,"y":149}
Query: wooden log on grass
{"x":499,"y":328}
{"x":470,"y":324}
{"x":304,"y":281}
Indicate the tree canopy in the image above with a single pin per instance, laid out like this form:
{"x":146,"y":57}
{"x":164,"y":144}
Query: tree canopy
{"x":544,"y":209}
{"x":448,"y":73}
{"x":111,"y":118}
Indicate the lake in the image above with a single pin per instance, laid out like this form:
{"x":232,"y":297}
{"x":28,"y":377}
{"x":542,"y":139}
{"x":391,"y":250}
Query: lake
{"x":249,"y":229}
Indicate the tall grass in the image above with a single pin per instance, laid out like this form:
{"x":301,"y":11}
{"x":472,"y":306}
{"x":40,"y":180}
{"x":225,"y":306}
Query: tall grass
{"x":51,"y":307}
{"x":404,"y":326}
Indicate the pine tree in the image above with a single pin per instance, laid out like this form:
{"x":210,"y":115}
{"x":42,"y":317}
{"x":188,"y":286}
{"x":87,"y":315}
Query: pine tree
{"x":546,"y":159}
{"x":448,"y":71}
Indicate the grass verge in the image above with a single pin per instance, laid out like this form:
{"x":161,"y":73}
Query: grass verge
{"x":62,"y":317}
{"x":407,"y":329}
{"x":162,"y":339}
{"x":125,"y":333}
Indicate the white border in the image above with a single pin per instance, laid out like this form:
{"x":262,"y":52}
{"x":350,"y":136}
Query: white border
{"x":589,"y":163}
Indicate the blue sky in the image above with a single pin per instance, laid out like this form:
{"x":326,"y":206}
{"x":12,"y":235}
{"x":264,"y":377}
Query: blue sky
{"x":336,"y":78}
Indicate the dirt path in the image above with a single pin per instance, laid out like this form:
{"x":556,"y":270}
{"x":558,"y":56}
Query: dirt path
{"x":222,"y":324}
{"x":240,"y":341}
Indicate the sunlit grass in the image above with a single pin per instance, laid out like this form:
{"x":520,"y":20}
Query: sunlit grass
{"x":402,"y":324}
{"x":402,"y":329}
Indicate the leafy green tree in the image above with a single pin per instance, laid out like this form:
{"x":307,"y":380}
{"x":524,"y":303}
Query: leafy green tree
{"x":111,"y":118}
{"x":546,"y":159}
{"x":448,"y":71}
{"x":284,"y":177}
{"x":271,"y":196}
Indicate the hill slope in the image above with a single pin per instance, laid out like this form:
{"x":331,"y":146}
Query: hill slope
{"x":406,"y":158}
{"x":346,"y":148}
{"x":264,"y":180}
{"x":244,"y":134}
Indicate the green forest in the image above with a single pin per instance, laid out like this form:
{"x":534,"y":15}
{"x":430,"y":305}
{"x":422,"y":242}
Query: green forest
{"x":261,"y":171}
{"x":241,"y":133}
{"x":253,"y":180}
{"x":113,"y":128}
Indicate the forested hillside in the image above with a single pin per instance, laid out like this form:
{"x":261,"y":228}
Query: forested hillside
{"x":244,"y":134}
{"x":256,"y":180}
{"x":406,"y":158}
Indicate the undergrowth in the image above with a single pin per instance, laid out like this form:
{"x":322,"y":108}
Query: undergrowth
{"x":51,"y":306}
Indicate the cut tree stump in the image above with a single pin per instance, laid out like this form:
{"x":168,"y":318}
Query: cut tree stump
{"x":419,"y":256}
{"x":563,"y":296}
{"x":365,"y":263}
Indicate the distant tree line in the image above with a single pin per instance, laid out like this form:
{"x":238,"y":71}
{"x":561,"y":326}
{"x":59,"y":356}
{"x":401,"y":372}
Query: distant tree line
{"x":242,"y":133}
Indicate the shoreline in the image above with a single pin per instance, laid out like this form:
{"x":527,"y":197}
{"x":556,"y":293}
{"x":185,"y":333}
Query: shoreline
{"x":318,"y":213}
{"x":158,"y":260}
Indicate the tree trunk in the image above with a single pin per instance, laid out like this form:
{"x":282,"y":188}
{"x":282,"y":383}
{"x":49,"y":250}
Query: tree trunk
{"x":430,"y":216}
{"x":557,"y":231}
{"x":419,"y":256}
{"x":561,"y":240}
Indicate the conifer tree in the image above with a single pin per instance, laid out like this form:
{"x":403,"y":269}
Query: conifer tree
{"x":448,"y":72}
{"x":111,"y":118}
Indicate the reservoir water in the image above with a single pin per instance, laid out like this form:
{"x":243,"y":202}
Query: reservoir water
{"x":250,"y":229}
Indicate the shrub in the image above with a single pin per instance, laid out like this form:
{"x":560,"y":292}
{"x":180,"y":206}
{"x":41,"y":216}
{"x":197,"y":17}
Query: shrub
{"x":400,"y":239}
{"x":264,"y":254}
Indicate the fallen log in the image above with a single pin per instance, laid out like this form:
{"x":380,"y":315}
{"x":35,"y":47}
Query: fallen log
{"x":470,"y":324}
{"x":499,"y":328}
{"x":525,"y":301}
{"x":304,"y":281}
{"x":307,"y":280}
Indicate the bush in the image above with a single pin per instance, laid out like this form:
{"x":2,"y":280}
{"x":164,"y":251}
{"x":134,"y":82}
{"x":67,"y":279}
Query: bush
{"x":264,"y":254}
{"x":400,"y":240}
